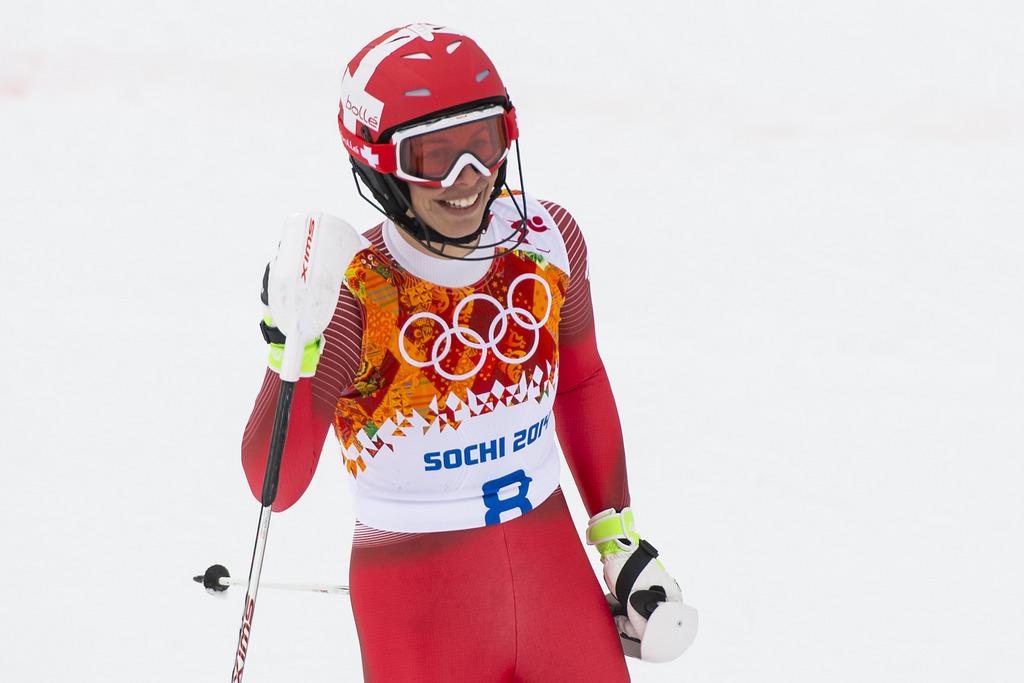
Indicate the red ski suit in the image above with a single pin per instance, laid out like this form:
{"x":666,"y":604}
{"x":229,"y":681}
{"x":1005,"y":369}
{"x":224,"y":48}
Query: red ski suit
{"x":512,"y":601}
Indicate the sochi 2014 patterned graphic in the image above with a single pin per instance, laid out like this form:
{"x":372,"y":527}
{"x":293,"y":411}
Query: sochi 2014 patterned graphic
{"x":434,"y":356}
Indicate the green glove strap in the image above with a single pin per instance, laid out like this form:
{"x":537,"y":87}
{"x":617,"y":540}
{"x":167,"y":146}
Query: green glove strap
{"x":607,"y":527}
{"x":310,"y":355}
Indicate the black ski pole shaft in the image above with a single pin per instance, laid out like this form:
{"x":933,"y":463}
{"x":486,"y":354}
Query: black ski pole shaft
{"x":270,"y":481}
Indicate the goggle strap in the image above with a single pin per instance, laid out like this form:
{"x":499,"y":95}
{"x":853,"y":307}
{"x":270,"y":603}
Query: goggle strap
{"x":511,"y":125}
{"x":379,"y":157}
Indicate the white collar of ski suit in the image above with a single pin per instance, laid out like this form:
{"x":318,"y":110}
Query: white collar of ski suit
{"x":437,"y":269}
{"x":542,"y":237}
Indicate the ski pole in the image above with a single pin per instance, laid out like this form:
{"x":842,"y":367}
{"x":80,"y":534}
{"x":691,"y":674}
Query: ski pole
{"x":302,"y":289}
{"x":270,"y":481}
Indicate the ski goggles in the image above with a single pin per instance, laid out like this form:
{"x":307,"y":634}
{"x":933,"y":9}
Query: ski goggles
{"x":435,"y":153}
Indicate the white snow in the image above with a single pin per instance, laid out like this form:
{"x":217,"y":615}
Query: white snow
{"x":819,"y":206}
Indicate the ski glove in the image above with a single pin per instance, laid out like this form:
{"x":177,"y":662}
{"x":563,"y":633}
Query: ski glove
{"x":275,"y":339}
{"x":653,"y":622}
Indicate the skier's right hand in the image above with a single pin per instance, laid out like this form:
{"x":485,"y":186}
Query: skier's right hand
{"x":275,"y":338}
{"x":302,"y":288}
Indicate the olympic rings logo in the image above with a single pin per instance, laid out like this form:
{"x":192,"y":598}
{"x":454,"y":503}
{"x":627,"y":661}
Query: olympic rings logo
{"x":473,"y":339}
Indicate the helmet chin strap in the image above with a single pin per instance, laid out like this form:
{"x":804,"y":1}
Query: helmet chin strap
{"x":427,"y":236}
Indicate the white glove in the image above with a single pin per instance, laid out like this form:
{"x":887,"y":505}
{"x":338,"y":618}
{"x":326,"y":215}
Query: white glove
{"x":304,"y":281}
{"x":653,"y":622}
{"x":276,"y":339}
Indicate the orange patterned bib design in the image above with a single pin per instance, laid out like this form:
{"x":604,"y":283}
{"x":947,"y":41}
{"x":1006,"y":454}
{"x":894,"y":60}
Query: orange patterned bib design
{"x":434,"y":357}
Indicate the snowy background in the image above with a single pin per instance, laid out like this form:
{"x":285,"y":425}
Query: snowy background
{"x":819,"y":205}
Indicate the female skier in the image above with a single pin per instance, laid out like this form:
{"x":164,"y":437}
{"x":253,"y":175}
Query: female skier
{"x":462,"y":342}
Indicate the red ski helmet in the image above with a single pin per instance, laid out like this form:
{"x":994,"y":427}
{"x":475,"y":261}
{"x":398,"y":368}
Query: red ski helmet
{"x":410,"y":75}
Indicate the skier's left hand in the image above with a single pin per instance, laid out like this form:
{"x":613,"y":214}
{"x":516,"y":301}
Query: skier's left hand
{"x":653,"y":622}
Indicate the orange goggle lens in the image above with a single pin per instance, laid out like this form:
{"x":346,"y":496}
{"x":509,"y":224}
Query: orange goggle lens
{"x":432,"y":155}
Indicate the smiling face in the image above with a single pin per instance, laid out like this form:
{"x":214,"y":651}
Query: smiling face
{"x":454,"y":211}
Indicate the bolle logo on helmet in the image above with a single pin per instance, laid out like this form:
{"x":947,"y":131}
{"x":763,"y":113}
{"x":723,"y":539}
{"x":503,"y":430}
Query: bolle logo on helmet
{"x":471,"y":338}
{"x":362,"y":113}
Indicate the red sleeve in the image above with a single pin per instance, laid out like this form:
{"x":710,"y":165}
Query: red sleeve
{"x":312,"y":409}
{"x":586,"y":419}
